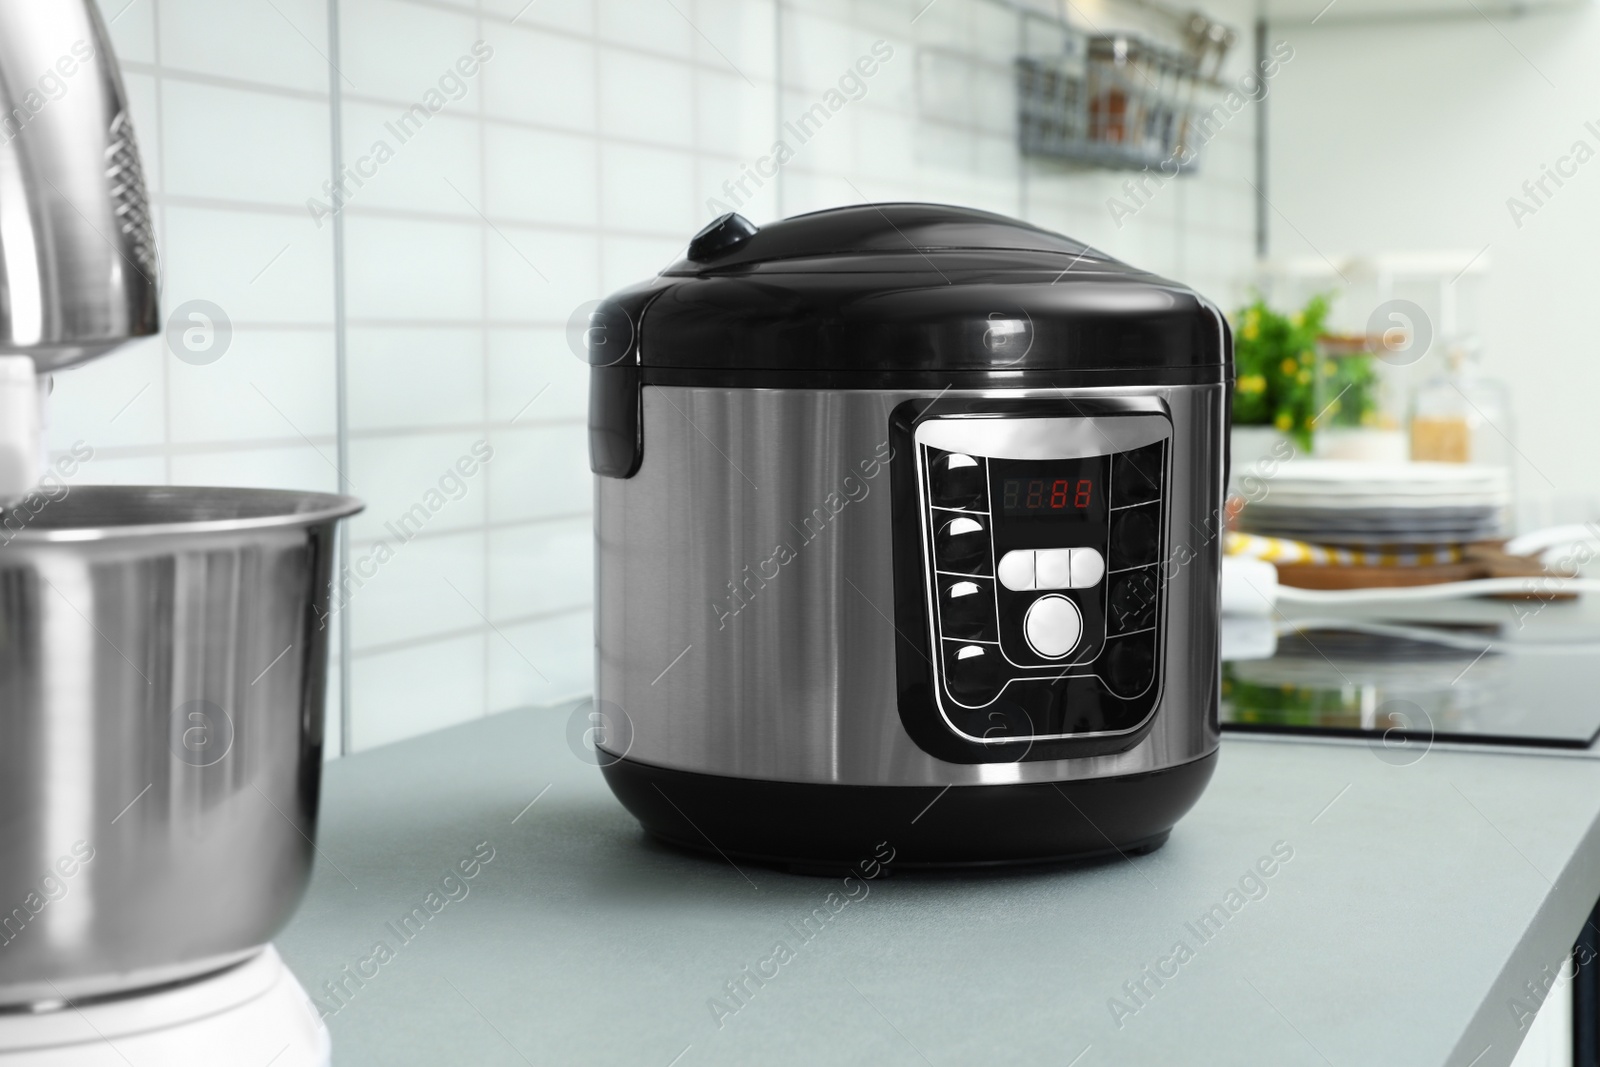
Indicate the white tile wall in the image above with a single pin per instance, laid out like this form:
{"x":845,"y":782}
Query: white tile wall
{"x":578,"y":157}
{"x":424,"y":591}
{"x":382,"y":400}
{"x":411,"y":690}
{"x":393,"y":472}
{"x":262,"y":265}
{"x":541,"y":176}
{"x":241,"y":144}
{"x":269,"y":385}
{"x":282,"y":43}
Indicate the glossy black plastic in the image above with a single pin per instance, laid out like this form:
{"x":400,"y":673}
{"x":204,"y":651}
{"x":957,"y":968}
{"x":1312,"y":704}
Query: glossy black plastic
{"x":913,"y":287}
{"x":895,"y":296}
{"x":929,"y":311}
{"x":615,"y":445}
{"x":867,"y":229}
{"x":1114,"y":715}
{"x":720,"y":237}
{"x":828,"y":828}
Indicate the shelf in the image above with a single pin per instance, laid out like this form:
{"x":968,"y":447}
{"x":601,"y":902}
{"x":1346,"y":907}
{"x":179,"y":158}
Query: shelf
{"x":1304,"y":12}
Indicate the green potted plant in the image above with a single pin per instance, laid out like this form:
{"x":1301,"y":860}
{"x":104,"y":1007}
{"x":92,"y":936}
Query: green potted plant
{"x":1275,"y":361}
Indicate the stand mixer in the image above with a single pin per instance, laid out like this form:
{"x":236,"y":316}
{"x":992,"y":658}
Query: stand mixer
{"x":163,"y":665}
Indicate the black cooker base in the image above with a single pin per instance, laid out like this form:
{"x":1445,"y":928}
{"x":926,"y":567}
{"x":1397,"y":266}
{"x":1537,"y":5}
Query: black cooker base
{"x":829,"y":829}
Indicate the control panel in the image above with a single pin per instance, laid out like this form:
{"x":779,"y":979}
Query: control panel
{"x":1041,"y":541}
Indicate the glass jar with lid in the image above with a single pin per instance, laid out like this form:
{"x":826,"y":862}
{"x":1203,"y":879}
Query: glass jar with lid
{"x":1360,"y":402}
{"x":1462,"y":415}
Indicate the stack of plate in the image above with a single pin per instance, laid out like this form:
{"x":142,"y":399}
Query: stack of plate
{"x":1333,"y":502}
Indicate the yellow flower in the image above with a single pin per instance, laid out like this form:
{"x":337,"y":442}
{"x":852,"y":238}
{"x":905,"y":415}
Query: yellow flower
{"x":1251,"y":331}
{"x":1283,"y":421}
{"x":1252,"y":383}
{"x":1288,"y":367}
{"x":1298,"y":318}
{"x":1328,"y":368}
{"x":1304,"y":377}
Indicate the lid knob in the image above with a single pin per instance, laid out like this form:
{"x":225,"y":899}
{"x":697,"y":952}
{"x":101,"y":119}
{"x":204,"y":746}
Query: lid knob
{"x":722,"y":234}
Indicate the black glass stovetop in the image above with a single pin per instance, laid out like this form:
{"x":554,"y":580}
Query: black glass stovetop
{"x":1397,"y":681}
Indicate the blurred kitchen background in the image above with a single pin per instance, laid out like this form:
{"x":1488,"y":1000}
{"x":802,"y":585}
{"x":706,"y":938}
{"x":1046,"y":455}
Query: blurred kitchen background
{"x":504,"y":162}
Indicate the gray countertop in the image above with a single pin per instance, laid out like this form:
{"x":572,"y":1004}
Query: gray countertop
{"x":1417,"y":902}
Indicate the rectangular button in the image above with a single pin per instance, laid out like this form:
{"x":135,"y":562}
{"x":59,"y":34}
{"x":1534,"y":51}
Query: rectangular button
{"x":1053,"y":568}
{"x":1088,"y":567}
{"x":1136,"y":475}
{"x":1016,"y":571}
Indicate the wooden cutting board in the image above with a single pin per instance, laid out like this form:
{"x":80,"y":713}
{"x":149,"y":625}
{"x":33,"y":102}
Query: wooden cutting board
{"x":1486,"y":559}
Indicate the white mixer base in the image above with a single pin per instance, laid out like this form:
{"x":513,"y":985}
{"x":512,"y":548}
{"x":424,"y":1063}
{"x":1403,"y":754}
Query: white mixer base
{"x":252,"y":1015}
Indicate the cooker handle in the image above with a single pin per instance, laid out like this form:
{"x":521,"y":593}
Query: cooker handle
{"x":611,"y":339}
{"x":616,"y":446}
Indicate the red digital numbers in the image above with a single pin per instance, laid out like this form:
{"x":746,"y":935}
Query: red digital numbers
{"x":1038,"y":495}
{"x":1063,"y":488}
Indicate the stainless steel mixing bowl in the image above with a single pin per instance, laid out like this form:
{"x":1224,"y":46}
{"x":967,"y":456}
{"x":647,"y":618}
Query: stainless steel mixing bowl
{"x":163,"y":663}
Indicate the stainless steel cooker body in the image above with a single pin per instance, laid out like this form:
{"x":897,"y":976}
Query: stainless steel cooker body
{"x":746,"y":590}
{"x":163,"y":661}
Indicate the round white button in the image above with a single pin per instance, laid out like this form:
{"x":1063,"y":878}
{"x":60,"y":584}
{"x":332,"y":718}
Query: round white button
{"x":1053,"y":626}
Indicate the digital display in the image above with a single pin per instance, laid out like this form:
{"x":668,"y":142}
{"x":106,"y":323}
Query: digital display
{"x":1039,"y":494}
{"x":1062,"y":488}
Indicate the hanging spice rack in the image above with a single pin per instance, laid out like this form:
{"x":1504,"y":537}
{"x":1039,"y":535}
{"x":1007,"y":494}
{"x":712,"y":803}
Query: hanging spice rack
{"x":1119,"y":101}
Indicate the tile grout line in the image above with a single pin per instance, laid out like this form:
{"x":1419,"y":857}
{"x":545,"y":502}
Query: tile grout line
{"x":484,"y":361}
{"x":1023,"y":173}
{"x":229,"y":446}
{"x":553,"y":520}
{"x":256,"y":208}
{"x":531,"y":32}
{"x":340,"y":367}
{"x":487,"y":629}
{"x":777,"y":98}
{"x":507,"y":121}
{"x":694,"y":95}
{"x":599,"y":138}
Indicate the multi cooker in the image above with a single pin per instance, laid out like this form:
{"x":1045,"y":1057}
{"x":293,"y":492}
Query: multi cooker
{"x":907,"y":536}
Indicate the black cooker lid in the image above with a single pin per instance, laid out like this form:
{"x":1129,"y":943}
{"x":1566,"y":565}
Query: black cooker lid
{"x":870,"y":230}
{"x":909,"y":289}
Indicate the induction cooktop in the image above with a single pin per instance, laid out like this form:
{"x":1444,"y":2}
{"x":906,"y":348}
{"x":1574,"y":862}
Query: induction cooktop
{"x":1403,"y":681}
